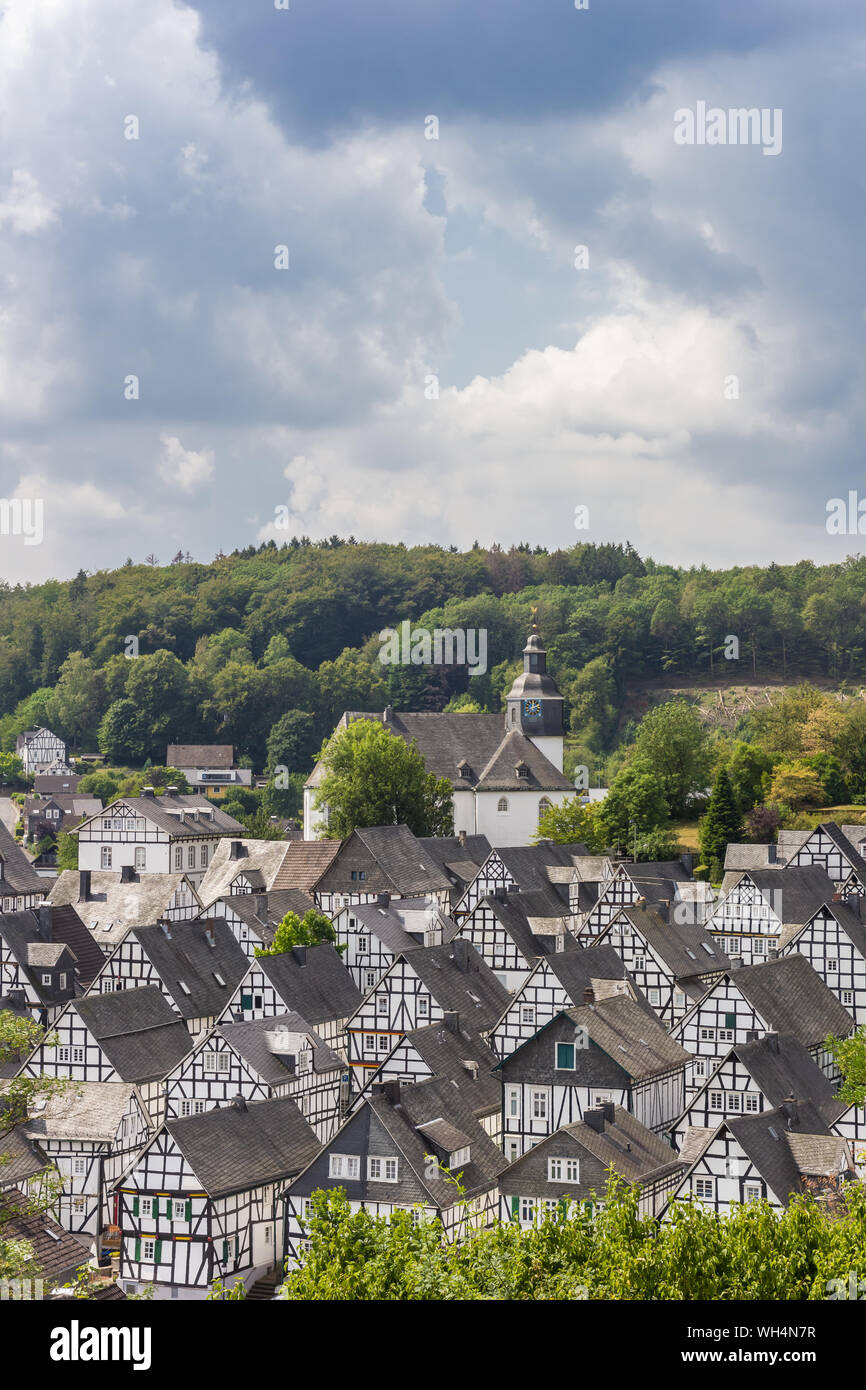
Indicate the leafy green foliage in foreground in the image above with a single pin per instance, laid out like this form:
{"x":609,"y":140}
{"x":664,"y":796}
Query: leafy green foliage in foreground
{"x":617,"y":1254}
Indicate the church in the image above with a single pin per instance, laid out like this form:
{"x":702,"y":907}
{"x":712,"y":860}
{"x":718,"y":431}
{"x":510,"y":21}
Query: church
{"x":505,"y":773}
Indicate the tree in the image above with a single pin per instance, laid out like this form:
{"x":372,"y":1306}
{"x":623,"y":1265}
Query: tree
{"x":67,"y":851}
{"x":12,"y":771}
{"x":373,"y":777}
{"x":849,"y":1054}
{"x":675,"y":744}
{"x":763,"y":823}
{"x":292,"y":742}
{"x":102,"y":784}
{"x":123,"y":734}
{"x":570,"y":824}
{"x":796,"y":784}
{"x":722,"y":824}
{"x":77,"y":699}
{"x":747,"y":767}
{"x":309,"y":930}
{"x":634,"y":805}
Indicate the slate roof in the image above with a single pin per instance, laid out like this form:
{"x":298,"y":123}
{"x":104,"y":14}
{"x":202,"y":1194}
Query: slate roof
{"x":386,"y":924}
{"x":473,"y":992}
{"x":56,"y":1251}
{"x":687,"y":951}
{"x":461,"y":862}
{"x":740,"y":857}
{"x":790,"y":842}
{"x":87,"y":1110}
{"x":532,"y":921}
{"x":781,"y":1067}
{"x":67,"y":926}
{"x":264,"y":856}
{"x":312,"y":981}
{"x":447,"y":1053}
{"x":635,"y":1041}
{"x":190,"y":824}
{"x":230,"y":1149}
{"x":21,"y":934}
{"x":404,"y":862}
{"x":305,"y":862}
{"x":500,"y":774}
{"x":114,"y":906}
{"x":842,"y":843}
{"x":186,"y":955}
{"x":17,"y":875}
{"x":791,"y":997}
{"x":251,"y":907}
{"x":803,"y":890}
{"x":20,"y":1158}
{"x":625,"y":1145}
{"x":441,"y":739}
{"x":848,"y":920}
{"x":138,"y":1030}
{"x":191,"y":755}
{"x":250,"y":1043}
{"x":528,"y":864}
{"x":579,"y":970}
{"x":785,"y":1156}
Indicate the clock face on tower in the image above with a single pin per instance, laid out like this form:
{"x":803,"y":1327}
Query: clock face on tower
{"x":532,"y":708}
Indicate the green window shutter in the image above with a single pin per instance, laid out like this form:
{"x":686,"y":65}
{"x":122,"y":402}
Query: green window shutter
{"x":137,"y":1249}
{"x":225,"y":1251}
{"x":157,"y":1254}
{"x":189,"y":1211}
{"x":135,"y":1210}
{"x":515,"y":1206}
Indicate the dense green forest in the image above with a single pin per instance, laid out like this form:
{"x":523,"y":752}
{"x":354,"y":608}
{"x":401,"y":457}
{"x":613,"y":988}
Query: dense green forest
{"x":228,"y":649}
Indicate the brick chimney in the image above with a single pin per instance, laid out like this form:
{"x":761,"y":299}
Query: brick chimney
{"x":589,"y":995}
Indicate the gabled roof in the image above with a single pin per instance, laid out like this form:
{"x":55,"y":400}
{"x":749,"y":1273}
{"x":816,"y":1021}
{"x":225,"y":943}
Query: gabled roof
{"x":580,"y":970}
{"x":305,"y":862}
{"x":262,"y":913}
{"x":462,"y":1058}
{"x":441,"y":739}
{"x":792,"y":998}
{"x":740,"y":857}
{"x":687,"y":951}
{"x":844,"y":845}
{"x":231,"y":1149}
{"x":138,"y":1031}
{"x":57,"y":1252}
{"x":500,"y":774}
{"x":461,"y":981}
{"x":257,"y":860}
{"x":88,"y":1110}
{"x":781,"y":1067}
{"x":386,"y":924}
{"x":786,"y":1152}
{"x":848,"y":920}
{"x":21,"y":934}
{"x":624,"y":1144}
{"x":188,"y":964}
{"x":803,"y":890}
{"x":17,"y":876}
{"x":250,"y":1042}
{"x":115,"y":905}
{"x":460,"y":860}
{"x":405,"y":867}
{"x":529,"y":865}
{"x":633,"y":1039}
{"x":22,"y":1157}
{"x":312,"y":981}
{"x":187,"y":821}
{"x":532,"y":920}
{"x":191,"y":755}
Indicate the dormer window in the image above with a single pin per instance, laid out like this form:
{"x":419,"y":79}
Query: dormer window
{"x":521,"y":770}
{"x":459,"y":1158}
{"x":463,"y":769}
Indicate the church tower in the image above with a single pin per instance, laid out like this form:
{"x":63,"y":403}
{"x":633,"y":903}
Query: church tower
{"x":534,"y":705}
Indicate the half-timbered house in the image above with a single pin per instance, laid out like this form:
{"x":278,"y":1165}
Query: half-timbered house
{"x":761,"y":907}
{"x":253,"y":918}
{"x":308,"y":980}
{"x":155,"y":835}
{"x":110,"y":904}
{"x":396,"y":1152}
{"x":39,"y":749}
{"x":639,"y":885}
{"x":782,"y":996}
{"x":772,"y":1157}
{"x":574,"y":1164}
{"x":20,"y":885}
{"x":672,"y":964}
{"x":280,"y":1056}
{"x":526,"y":869}
{"x":33,"y":967}
{"x":374,"y":934}
{"x":196,"y":964}
{"x":381,"y":859}
{"x":460,"y":858}
{"x":833,"y":940}
{"x":134,"y":1036}
{"x":828,"y":848}
{"x":512,"y":930}
{"x":418,"y":989}
{"x":90,"y":1132}
{"x":201,"y":1202}
{"x":242,"y":866}
{"x":558,"y":982}
{"x":608,"y":1050}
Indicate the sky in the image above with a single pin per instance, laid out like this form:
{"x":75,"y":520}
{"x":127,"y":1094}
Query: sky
{"x":429,"y":270}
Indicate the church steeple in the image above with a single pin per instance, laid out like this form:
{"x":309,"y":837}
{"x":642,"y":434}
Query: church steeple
{"x":534,"y":705}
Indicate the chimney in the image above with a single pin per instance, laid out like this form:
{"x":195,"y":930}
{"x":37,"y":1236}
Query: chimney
{"x":451,"y":1019}
{"x":171,"y":791}
{"x":790,"y":1110}
{"x":772,"y":1041}
{"x":235,"y":849}
{"x":127,"y":874}
{"x":472,"y":1068}
{"x":771,"y":854}
{"x":640,"y":902}
{"x":736,"y":962}
{"x":238,"y":1102}
{"x":166,"y":930}
{"x":148,"y":793}
{"x":772,"y":954}
{"x":608,"y":1110}
{"x":687,"y":860}
{"x":209,"y":935}
{"x":387,"y":714}
{"x":383,"y":899}
{"x":837,"y":896}
{"x":595,"y":1120}
{"x":43,"y":914}
{"x":461,"y":835}
{"x":300,"y":954}
{"x":261,"y":907}
{"x":84,"y":885}
{"x":589,"y":995}
{"x":460,"y":953}
{"x":500,"y":893}
{"x":391,"y":1089}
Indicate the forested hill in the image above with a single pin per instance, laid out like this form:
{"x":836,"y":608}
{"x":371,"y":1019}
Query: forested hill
{"x":227,"y":648}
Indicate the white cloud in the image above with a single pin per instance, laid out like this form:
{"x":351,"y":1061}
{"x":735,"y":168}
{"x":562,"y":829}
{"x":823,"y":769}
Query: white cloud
{"x":187,"y":469}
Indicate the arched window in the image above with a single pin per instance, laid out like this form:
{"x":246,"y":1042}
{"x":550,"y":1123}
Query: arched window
{"x":543,"y":805}
{"x":513,"y":715}
{"x":502,"y":808}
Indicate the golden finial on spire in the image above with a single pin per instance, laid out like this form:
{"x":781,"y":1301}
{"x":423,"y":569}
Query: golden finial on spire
{"x":534,"y":611}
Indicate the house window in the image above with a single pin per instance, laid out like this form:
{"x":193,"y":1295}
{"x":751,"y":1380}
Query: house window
{"x":382,"y":1005}
{"x":513,"y":1101}
{"x":140,"y":856}
{"x":459,"y":1158}
{"x":423,"y":1008}
{"x":63,"y":1054}
{"x":363,"y":945}
{"x":640,"y":962}
{"x":708,"y":1035}
{"x":726,"y":1035}
{"x":539,"y":1105}
{"x":148,"y":1250}
{"x":527,"y":1208}
{"x":705,"y":1188}
{"x":502,"y":806}
{"x":654,"y":997}
{"x":178,"y":857}
{"x":79,"y":1205}
{"x":362,"y":874}
{"x":543,"y":806}
{"x":563,"y":1169}
{"x":847,"y":996}
{"x":190,"y":857}
{"x":63,"y":980}
{"x":369,"y":1042}
{"x":752,"y":1191}
{"x":527,"y":1014}
{"x":382,"y":1169}
{"x":717,"y":1100}
{"x":565,"y":1056}
{"x":46,"y":979}
{"x":178,"y":1210}
{"x":384,"y":1042}
{"x":344,"y":1166}
{"x":105,"y":857}
{"x":79,"y":1167}
{"x":734,"y":1101}
{"x":751,"y":1102}
{"x":699,"y":1067}
{"x":369,"y":979}
{"x":78,"y":1054}
{"x":832,"y":966}
{"x":216,"y":1062}
{"x":145,"y":1206}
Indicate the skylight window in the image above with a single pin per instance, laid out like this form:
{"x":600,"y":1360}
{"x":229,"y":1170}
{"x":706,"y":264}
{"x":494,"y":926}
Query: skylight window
{"x":184,"y":986}
{"x":218,"y":977}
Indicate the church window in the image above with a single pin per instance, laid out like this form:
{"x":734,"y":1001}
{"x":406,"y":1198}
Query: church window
{"x":502,"y":808}
{"x":543,"y":806}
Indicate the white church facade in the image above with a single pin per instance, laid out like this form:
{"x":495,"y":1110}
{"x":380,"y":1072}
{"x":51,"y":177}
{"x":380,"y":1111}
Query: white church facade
{"x":505,"y":773}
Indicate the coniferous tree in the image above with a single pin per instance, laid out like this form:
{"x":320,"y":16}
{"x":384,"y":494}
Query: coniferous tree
{"x":722,"y":824}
